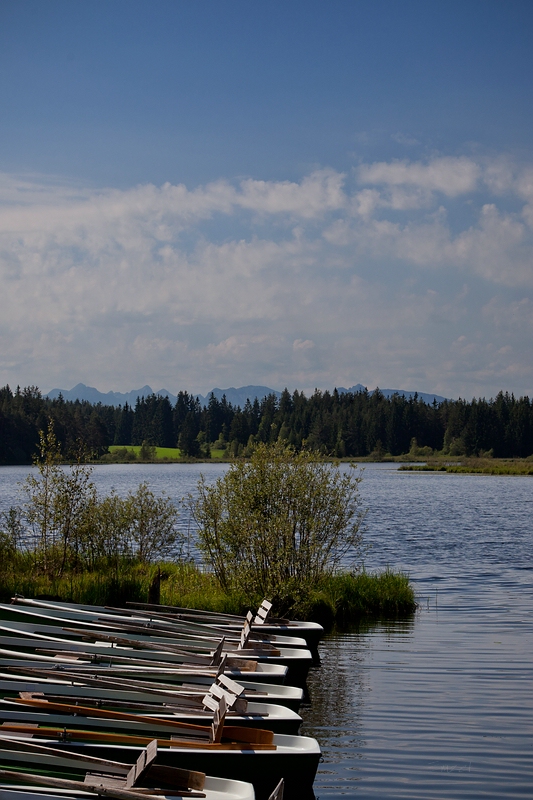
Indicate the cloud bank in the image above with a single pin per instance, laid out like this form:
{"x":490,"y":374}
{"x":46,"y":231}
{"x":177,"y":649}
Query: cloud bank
{"x":406,"y":273}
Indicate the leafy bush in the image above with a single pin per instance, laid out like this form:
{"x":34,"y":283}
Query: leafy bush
{"x":70,"y":527}
{"x":276,"y":524}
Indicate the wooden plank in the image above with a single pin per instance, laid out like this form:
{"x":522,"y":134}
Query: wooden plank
{"x":231,"y":685}
{"x":146,"y":757}
{"x":243,"y":664}
{"x":99,"y":779}
{"x":217,"y":655}
{"x":217,"y":726}
{"x":160,"y":774}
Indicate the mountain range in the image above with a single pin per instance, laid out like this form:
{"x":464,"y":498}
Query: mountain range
{"x":237,"y":397}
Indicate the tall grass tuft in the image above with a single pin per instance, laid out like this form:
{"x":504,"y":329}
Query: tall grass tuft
{"x":343,"y":598}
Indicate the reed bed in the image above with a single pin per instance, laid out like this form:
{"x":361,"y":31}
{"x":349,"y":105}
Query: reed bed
{"x":476,"y":466}
{"x":338,"y":599}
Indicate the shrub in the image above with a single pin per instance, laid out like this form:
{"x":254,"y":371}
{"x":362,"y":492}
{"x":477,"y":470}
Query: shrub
{"x":276,"y":524}
{"x":70,"y":527}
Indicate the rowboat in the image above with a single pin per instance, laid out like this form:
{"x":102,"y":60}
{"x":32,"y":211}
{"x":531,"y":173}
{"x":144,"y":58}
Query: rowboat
{"x":297,"y":660}
{"x":37,"y":769}
{"x":167,"y":681}
{"x":117,"y":735}
{"x":312,"y":632}
{"x":295,"y":759}
{"x":185,"y":659}
{"x":190,"y":683}
{"x":172,"y":622}
{"x":262,"y":623}
{"x":214,"y":789}
{"x":149,"y":702}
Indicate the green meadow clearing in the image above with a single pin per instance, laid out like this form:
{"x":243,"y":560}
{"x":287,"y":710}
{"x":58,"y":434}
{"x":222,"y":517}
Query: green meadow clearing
{"x":133,"y":453}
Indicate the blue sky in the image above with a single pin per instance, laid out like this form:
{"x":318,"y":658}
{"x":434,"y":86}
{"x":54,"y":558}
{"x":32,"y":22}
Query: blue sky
{"x":301,"y":194}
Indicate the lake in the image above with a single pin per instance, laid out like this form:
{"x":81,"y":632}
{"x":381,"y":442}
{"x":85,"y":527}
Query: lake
{"x":438,"y":706}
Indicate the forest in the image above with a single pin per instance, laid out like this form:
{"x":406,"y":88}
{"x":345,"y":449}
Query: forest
{"x":333,"y":424}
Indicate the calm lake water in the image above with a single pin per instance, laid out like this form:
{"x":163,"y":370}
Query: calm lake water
{"x":438,"y":706}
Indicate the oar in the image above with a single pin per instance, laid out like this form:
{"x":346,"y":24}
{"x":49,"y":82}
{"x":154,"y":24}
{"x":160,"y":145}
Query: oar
{"x":162,"y":707}
{"x":179,"y":624}
{"x":196,"y":642}
{"x":63,"y":734}
{"x":9,"y":743}
{"x":116,"y":656}
{"x":80,"y":786}
{"x":179,"y":611}
{"x":188,"y":697}
{"x":136,"y":644}
{"x":251,"y":735}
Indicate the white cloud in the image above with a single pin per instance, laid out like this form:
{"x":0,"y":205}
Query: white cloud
{"x":496,"y":249}
{"x":301,"y":345}
{"x":405,"y":139}
{"x":317,"y":194}
{"x":266,"y":281}
{"x":451,"y":176}
{"x":510,"y":315}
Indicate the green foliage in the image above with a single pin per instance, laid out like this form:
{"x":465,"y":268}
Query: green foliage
{"x":419,"y":452}
{"x":98,"y":586}
{"x":59,"y":504}
{"x":133,"y":453}
{"x":152,"y":524}
{"x":276,"y":524}
{"x":72,"y":528}
{"x":11,"y":533}
{"x":147,"y":451}
{"x":120,"y":454}
{"x":332,"y":424}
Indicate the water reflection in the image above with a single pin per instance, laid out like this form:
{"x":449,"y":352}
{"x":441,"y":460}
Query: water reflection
{"x":431,"y":707}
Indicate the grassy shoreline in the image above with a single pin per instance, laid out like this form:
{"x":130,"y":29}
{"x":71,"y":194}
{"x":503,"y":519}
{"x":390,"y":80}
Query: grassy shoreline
{"x":475,"y":466}
{"x":419,"y":462}
{"x":339,"y":599}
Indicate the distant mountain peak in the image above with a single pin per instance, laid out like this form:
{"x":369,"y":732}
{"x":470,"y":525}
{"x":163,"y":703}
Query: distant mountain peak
{"x":235,"y":396}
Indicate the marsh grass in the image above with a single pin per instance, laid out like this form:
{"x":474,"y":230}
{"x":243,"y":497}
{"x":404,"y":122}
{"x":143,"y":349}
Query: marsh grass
{"x":344,"y":598}
{"x":181,"y":584}
{"x":339,"y":599}
{"x":101,"y":586}
{"x":476,"y":466}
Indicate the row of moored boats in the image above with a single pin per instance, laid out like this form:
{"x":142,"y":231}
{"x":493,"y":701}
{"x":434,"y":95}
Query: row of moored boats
{"x":152,"y":701}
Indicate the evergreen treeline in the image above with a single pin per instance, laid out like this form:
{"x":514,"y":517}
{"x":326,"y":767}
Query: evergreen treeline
{"x":333,"y":424}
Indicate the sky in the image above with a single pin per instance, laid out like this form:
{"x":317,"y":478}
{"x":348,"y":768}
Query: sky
{"x":291,"y":193}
